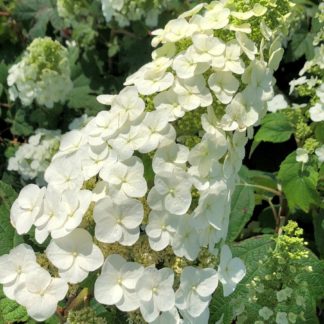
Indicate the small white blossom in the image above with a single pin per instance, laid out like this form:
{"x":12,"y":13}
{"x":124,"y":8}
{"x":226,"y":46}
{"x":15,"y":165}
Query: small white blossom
{"x":196,"y":288}
{"x":40,"y":293}
{"x":192,"y":93}
{"x":317,"y":112}
{"x":75,"y":255}
{"x":155,"y":292}
{"x":302,"y":155}
{"x":26,"y":208}
{"x":14,"y":267}
{"x":231,"y":270}
{"x":118,"y":221}
{"x":116,"y":283}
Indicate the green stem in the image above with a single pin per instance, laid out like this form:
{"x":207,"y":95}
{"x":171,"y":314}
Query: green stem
{"x":82,"y":298}
{"x":276,"y":192}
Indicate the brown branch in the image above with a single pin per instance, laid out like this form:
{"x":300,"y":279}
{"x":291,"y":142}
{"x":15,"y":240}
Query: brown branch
{"x":4,"y":14}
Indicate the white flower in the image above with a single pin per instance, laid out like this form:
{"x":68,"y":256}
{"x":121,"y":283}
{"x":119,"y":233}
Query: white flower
{"x":196,"y":288}
{"x":278,"y":102}
{"x":173,"y":31}
{"x":130,"y":140}
{"x":302,"y":155}
{"x":64,"y":174}
{"x":259,"y":79}
{"x":43,"y":74}
{"x":217,"y":17}
{"x":117,"y":282}
{"x":104,"y":126}
{"x":207,"y":47}
{"x":187,"y":66}
{"x":168,"y":101}
{"x":231,"y":270}
{"x":32,"y":159}
{"x":40,"y":293}
{"x":232,"y":61}
{"x":26,"y":208}
{"x":169,"y":158}
{"x":320,"y":153}
{"x":224,"y":85}
{"x":171,"y":191}
{"x":73,"y":206}
{"x":186,"y":241}
{"x":158,"y":129}
{"x":50,"y":217}
{"x":155,"y":292}
{"x":94,"y":160}
{"x":281,"y":318}
{"x":75,"y":255}
{"x":265,"y":312}
{"x":70,"y":143}
{"x":160,"y":229}
{"x":127,"y":177}
{"x":239,"y":114}
{"x":118,"y":221}
{"x":317,"y":112}
{"x":152,"y":77}
{"x":193,"y":93}
{"x":247,"y":45}
{"x":214,"y":204}
{"x":128,"y":103}
{"x":14,"y":266}
{"x":212,"y":147}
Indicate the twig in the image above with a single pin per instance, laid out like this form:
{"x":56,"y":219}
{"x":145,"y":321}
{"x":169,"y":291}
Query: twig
{"x":4,"y":14}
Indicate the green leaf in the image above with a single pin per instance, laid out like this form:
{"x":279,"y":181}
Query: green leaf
{"x":37,"y":14}
{"x":8,"y":236}
{"x":275,"y":128}
{"x":10,"y":311}
{"x":299,"y":183}
{"x":242,"y":207}
{"x":20,"y":125}
{"x":82,"y":96}
{"x":3,"y":73}
{"x":319,"y":131}
{"x":250,"y":251}
{"x":315,"y":277}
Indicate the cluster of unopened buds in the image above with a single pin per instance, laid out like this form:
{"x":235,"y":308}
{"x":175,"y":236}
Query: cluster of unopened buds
{"x":207,"y":60}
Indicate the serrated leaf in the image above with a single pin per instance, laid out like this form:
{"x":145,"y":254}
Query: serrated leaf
{"x":299,"y":183}
{"x":37,"y":14}
{"x":242,"y":207}
{"x":10,"y":311}
{"x":8,"y":236}
{"x":275,"y":128}
{"x":82,"y":96}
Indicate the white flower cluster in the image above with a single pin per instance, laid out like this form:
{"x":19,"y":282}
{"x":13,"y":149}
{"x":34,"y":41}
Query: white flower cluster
{"x":317,"y":111}
{"x":43,"y":74}
{"x":32,"y":158}
{"x":126,"y":11}
{"x":193,"y":68}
